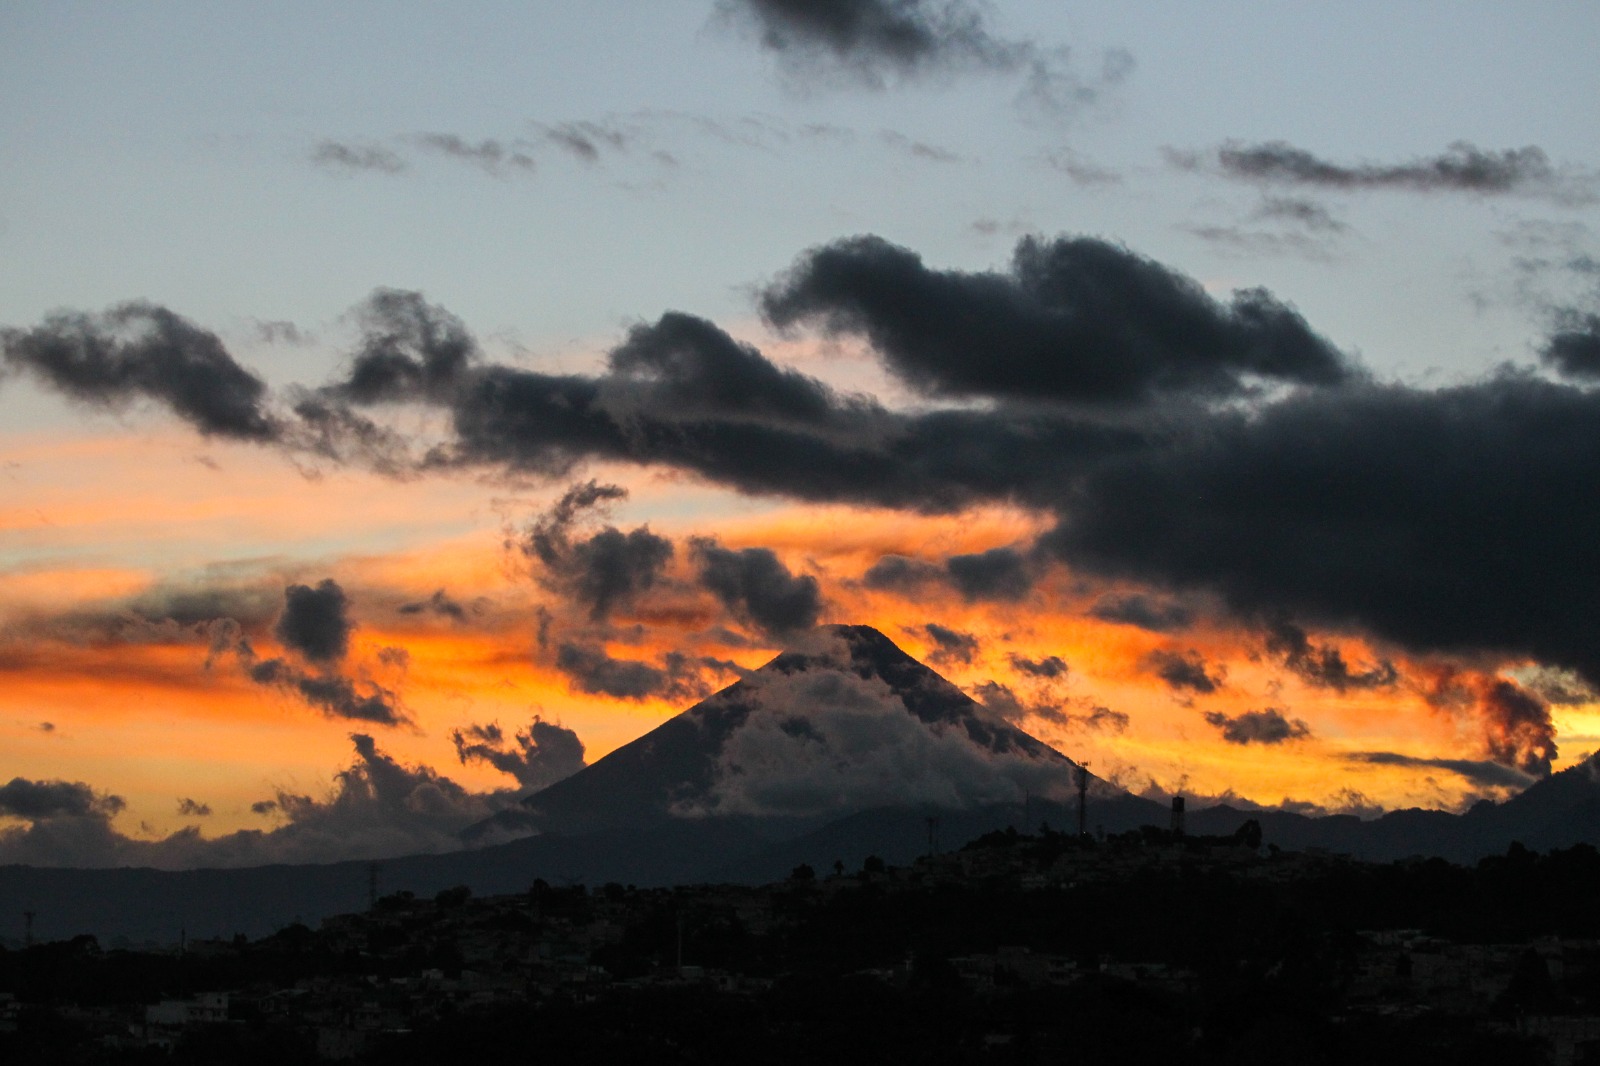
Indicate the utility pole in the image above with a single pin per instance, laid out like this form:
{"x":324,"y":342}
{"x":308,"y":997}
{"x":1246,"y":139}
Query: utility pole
{"x":27,"y":929}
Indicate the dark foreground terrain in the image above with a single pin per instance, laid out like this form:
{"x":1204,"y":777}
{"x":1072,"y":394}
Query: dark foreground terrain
{"x":1016,"y":948}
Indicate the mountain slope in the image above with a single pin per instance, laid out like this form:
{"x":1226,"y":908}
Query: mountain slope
{"x":847,"y":721}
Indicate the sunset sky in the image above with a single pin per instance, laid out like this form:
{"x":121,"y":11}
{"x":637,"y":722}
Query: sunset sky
{"x":396,"y":396}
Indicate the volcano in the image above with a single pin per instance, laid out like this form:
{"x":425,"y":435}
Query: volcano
{"x":844,"y":721}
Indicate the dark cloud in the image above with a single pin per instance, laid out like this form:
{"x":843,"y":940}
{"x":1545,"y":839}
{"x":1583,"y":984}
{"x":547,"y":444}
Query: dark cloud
{"x":1075,"y":319}
{"x":1077,"y":715}
{"x":440,"y":603}
{"x":1418,"y":519}
{"x":1481,"y":772}
{"x":1518,"y":727}
{"x":139,"y":350}
{"x":600,"y":572}
{"x":953,"y":646}
{"x":35,"y":800}
{"x":1462,"y":167}
{"x":282,"y":332}
{"x":1574,"y":349}
{"x":1144,"y":611}
{"x":1307,"y":213}
{"x":1104,"y":719}
{"x":46,"y":727}
{"x":1051,"y":667}
{"x":193,"y":809}
{"x":686,"y":368}
{"x":787,"y":434}
{"x":878,"y":37}
{"x":1422,"y":518}
{"x":871,"y":41}
{"x":996,"y":574}
{"x":755,"y":585}
{"x":1183,"y":670}
{"x":492,"y":156}
{"x":316,"y":621}
{"x":377,"y":808}
{"x":584,"y":139}
{"x":1323,"y":665}
{"x":334,"y":695}
{"x":341,"y":155}
{"x":539,"y":755}
{"x":399,"y":658}
{"x":409,"y":349}
{"x":1266,"y":726}
{"x":901,"y":573}
{"x":592,"y":669}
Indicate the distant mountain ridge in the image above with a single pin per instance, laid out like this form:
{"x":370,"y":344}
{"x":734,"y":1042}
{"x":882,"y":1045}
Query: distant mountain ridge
{"x":720,"y":793}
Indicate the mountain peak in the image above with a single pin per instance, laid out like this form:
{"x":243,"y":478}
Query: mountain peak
{"x":842,"y":720}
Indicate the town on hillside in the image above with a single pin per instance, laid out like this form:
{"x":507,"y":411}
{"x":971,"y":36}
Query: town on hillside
{"x":1017,"y":947}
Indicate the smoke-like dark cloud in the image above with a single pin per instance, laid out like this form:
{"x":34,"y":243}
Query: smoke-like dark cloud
{"x":952,"y":646}
{"x":333,"y":694}
{"x":870,"y":42}
{"x":1051,"y":667}
{"x":998,"y":574}
{"x":377,"y":808}
{"x":584,"y":139}
{"x":600,"y":572}
{"x":1574,"y":349}
{"x":1183,"y":671}
{"x":440,"y":603}
{"x":755,"y":586}
{"x":1266,"y":726}
{"x":350,"y":156}
{"x":1461,"y":167}
{"x":1144,"y":611}
{"x":138,"y":350}
{"x":1323,"y":665}
{"x":1078,"y":715}
{"x":1481,"y":772}
{"x":1422,"y":517}
{"x":537,"y":756}
{"x":316,"y":621}
{"x":686,"y":368}
{"x":190,"y":808}
{"x":1075,"y":319}
{"x":34,"y":800}
{"x":409,"y":349}
{"x":492,"y":156}
{"x":592,"y":669}
{"x":1439,"y":521}
{"x":1518,"y":727}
